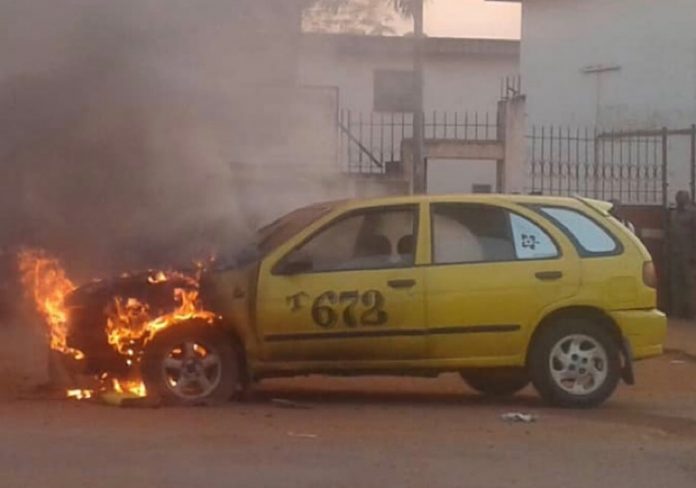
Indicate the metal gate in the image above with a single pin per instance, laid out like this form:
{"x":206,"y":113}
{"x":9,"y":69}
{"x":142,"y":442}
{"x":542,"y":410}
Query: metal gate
{"x":630,"y":166}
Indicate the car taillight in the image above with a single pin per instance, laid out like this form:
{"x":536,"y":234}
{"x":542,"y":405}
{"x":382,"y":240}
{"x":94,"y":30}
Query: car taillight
{"x":649,"y":275}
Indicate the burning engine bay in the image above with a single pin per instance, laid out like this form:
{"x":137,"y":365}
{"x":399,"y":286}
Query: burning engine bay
{"x":99,"y":333}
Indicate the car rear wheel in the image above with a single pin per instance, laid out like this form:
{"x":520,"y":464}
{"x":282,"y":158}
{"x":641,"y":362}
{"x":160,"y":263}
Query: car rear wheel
{"x":575,"y":363}
{"x":191,"y":364}
{"x":496,"y":383}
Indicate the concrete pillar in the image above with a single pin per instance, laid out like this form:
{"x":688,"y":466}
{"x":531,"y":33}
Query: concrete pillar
{"x":513,"y":131}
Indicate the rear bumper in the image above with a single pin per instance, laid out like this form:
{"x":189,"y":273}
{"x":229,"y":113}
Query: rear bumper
{"x":644,"y":330}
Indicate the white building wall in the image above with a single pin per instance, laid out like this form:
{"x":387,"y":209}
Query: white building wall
{"x":651,"y":42}
{"x":454,"y":80}
{"x":469,"y":83}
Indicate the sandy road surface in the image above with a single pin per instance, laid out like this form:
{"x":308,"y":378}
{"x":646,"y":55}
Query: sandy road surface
{"x":371,"y":432}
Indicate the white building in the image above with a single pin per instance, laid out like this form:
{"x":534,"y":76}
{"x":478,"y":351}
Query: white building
{"x":462,"y":79}
{"x":612,"y":63}
{"x":460,"y":74}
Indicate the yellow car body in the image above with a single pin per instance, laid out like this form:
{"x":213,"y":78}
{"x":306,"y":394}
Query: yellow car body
{"x":425,"y":317}
{"x":515,"y":287}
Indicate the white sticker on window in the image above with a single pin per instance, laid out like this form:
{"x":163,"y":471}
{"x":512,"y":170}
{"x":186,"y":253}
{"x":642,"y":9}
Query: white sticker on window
{"x":531,"y":242}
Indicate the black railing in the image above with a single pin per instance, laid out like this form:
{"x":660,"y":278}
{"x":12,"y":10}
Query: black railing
{"x":372,"y":143}
{"x":630,"y":167}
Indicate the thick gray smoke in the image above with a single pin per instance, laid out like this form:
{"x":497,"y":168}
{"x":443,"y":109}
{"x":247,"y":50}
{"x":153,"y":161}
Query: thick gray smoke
{"x":144,"y":132}
{"x":140,"y":133}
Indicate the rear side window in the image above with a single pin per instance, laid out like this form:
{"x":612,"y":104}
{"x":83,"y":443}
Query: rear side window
{"x":470,"y":233}
{"x":588,"y":236}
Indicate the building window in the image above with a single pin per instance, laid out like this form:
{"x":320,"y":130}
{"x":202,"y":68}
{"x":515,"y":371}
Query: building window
{"x":394,"y":91}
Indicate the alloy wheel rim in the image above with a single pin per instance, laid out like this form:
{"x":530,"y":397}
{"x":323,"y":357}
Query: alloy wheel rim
{"x":191,"y":370}
{"x":579,"y":364}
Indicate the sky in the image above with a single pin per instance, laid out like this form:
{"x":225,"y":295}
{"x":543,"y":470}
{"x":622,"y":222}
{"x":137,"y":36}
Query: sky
{"x":472,"y":18}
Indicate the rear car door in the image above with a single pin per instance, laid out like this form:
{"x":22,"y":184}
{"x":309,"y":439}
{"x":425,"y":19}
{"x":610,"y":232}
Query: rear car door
{"x":348,"y":291}
{"x":493,"y":269}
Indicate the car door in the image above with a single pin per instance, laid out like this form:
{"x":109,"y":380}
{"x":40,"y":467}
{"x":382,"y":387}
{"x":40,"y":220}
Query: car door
{"x":348,"y":291}
{"x":492,"y":271}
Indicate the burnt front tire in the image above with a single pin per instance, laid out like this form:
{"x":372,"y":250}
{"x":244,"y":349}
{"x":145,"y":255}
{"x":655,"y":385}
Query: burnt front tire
{"x":575,"y":363}
{"x":496,"y":383}
{"x":192,"y":364}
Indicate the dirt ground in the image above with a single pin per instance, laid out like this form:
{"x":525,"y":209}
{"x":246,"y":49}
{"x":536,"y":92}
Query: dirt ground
{"x":369,"y":432}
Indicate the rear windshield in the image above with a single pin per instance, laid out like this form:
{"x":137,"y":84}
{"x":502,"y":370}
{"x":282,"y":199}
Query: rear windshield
{"x":590,"y":238}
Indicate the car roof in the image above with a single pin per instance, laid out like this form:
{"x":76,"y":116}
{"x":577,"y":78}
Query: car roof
{"x":464,"y":198}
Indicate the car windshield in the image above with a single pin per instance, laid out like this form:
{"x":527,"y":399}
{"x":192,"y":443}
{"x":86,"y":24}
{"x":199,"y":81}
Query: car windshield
{"x":269,"y":237}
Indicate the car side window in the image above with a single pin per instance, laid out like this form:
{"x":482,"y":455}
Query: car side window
{"x":587,"y":235}
{"x":466,"y":233}
{"x":370,"y":239}
{"x":470,"y":233}
{"x":531,"y":241}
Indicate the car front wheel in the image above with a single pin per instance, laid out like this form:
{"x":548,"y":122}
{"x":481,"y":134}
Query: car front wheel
{"x":191,"y":364}
{"x":575,"y":363}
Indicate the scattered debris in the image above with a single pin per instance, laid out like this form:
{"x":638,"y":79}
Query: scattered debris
{"x":281,"y":402}
{"x":302,"y":436}
{"x":525,"y":418}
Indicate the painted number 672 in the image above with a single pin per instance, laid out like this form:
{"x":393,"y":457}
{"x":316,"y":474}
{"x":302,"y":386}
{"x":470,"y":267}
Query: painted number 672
{"x":331,"y":306}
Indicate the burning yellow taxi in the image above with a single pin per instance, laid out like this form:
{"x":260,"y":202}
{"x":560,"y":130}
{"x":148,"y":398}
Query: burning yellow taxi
{"x":505,"y":290}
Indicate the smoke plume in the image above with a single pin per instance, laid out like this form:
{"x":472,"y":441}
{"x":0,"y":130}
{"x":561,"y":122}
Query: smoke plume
{"x":140,"y":133}
{"x":145,"y":133}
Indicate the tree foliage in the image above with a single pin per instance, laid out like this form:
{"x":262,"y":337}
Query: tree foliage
{"x":356,"y":16}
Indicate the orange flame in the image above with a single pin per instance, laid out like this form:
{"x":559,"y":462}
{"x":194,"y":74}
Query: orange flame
{"x":80,"y":394}
{"x":132,"y":387}
{"x":158,"y":277}
{"x":45,"y":280}
{"x":130,"y":323}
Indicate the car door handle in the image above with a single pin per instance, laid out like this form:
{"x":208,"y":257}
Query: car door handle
{"x":549,"y":275}
{"x":400,"y":284}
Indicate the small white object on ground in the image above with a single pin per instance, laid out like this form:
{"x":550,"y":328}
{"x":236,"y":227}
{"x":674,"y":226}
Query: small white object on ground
{"x":526,"y":418}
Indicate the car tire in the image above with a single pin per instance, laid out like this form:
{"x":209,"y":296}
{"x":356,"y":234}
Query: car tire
{"x":496,"y":383}
{"x":575,"y":363}
{"x":192,"y":364}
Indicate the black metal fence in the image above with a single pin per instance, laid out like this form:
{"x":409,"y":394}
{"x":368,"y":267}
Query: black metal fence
{"x":371,"y":143}
{"x":628,"y":166}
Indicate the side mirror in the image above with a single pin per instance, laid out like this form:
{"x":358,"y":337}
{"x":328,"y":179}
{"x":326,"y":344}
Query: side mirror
{"x":296,"y":263}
